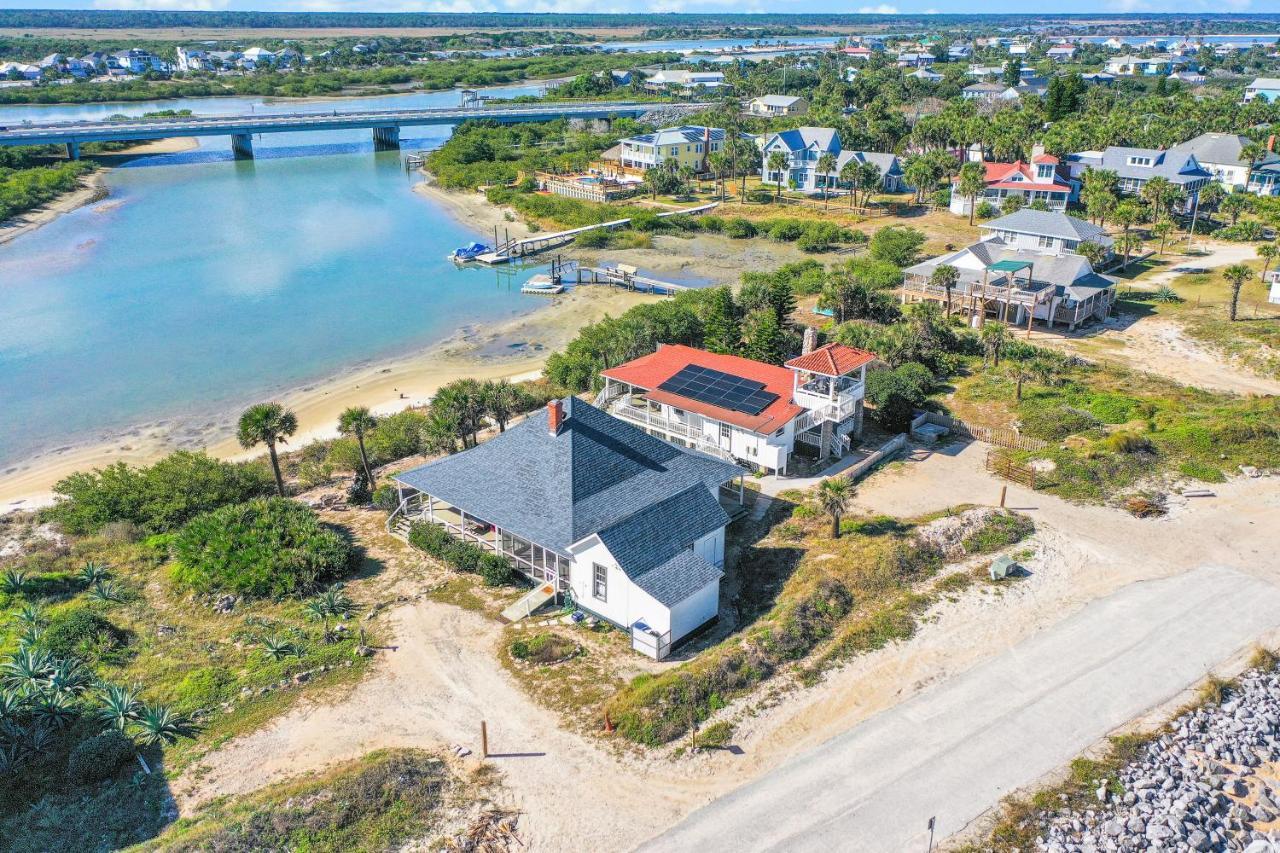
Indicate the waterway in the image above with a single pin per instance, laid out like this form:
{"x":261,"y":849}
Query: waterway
{"x":203,"y":283}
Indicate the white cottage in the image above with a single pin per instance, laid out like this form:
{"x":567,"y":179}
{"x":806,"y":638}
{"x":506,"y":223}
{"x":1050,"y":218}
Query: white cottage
{"x":630,"y":526}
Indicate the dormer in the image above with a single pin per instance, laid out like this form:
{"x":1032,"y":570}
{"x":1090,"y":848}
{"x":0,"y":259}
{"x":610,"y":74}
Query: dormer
{"x":1144,"y":160}
{"x":1044,"y":171}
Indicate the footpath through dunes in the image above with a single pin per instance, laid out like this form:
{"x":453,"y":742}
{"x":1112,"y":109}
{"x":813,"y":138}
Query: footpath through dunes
{"x":444,"y":676}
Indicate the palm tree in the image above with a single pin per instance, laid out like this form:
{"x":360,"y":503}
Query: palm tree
{"x":1158,"y":193}
{"x":945,"y":276}
{"x":1234,"y":204}
{"x":1021,"y":370}
{"x":850,"y":173}
{"x":995,"y":337}
{"x":826,"y":167}
{"x":359,"y":422}
{"x":869,"y":177}
{"x":1162,"y":229}
{"x":1237,"y":275}
{"x":834,"y":494}
{"x":1252,"y":153}
{"x":972,"y":183}
{"x":1129,"y":243}
{"x":502,"y":400}
{"x":1093,"y":252}
{"x":1268,"y":252}
{"x":269,"y":424}
{"x":777,"y":165}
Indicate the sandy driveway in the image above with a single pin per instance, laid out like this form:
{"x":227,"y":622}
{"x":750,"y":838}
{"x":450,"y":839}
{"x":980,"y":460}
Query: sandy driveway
{"x":954,"y":749}
{"x":444,"y":679}
{"x":1158,"y":345}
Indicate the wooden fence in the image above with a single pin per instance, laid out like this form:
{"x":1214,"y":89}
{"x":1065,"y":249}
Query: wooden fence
{"x":999,"y":463}
{"x":1000,"y":436}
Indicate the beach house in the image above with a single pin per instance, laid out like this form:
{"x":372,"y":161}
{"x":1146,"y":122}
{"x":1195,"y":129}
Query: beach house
{"x":804,"y":147}
{"x":1026,"y":266}
{"x":1220,"y":154}
{"x":1040,"y":180}
{"x":1135,"y":166}
{"x":681,"y":82}
{"x":777,"y":105}
{"x":672,"y":147}
{"x":743,"y":410}
{"x":629,"y":526}
{"x":1266,"y":88}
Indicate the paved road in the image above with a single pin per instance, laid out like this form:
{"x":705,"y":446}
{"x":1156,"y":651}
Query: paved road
{"x":956,"y":749}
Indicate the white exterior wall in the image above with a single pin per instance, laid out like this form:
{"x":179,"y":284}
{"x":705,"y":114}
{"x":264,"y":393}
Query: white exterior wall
{"x":627,"y":603}
{"x":766,"y":450}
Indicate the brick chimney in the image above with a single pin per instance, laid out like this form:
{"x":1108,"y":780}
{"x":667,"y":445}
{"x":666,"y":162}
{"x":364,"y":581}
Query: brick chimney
{"x":555,"y":416}
{"x":1271,"y":142}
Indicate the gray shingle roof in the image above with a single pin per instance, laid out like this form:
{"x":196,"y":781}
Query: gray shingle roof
{"x":1220,"y":148}
{"x":594,"y":474}
{"x":679,"y":577}
{"x":1067,"y":270}
{"x":1048,"y":224}
{"x":1173,"y":165}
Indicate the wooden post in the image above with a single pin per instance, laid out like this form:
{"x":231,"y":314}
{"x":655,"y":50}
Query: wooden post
{"x":1003,"y":491}
{"x":484,"y":739}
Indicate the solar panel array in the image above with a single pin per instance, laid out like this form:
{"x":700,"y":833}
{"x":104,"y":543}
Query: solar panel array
{"x":717,"y":388}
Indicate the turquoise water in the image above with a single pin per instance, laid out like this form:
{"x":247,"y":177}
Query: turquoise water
{"x":203,"y":283}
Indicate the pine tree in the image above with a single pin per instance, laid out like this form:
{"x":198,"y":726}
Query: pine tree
{"x":783,"y":301}
{"x":764,"y":340}
{"x":721,"y":332}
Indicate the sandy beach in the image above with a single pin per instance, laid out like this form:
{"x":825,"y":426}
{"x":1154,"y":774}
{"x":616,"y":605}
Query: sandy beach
{"x":92,"y":188}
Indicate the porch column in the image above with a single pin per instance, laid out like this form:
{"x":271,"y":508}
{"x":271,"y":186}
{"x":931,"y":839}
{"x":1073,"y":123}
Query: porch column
{"x":742,"y":489}
{"x":431,"y":509}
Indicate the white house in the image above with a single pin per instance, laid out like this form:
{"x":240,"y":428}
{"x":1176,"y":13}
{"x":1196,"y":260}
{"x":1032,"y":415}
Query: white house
{"x":778,"y":105}
{"x":804,"y":147}
{"x":683,"y":82}
{"x":587,"y":505}
{"x":1135,"y":166}
{"x":1026,"y":267}
{"x":19,"y":70}
{"x":1040,"y":180}
{"x":926,"y":74}
{"x":1219,"y":153}
{"x":136,"y":61}
{"x":740,"y":409}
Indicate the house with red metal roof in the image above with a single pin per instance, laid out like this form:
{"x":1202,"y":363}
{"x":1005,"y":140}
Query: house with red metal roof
{"x":743,"y":410}
{"x":1042,"y":179}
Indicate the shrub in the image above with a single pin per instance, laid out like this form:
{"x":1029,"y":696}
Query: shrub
{"x":897,"y":394}
{"x":986,"y":210}
{"x":896,"y":244}
{"x":204,"y":688}
{"x":432,"y":538}
{"x":542,"y":648}
{"x":998,"y":530}
{"x":647,"y":220}
{"x":739,"y":228}
{"x":81,"y":633}
{"x":712,"y":223}
{"x":1202,"y":471}
{"x":495,"y":570}
{"x":716,"y":735}
{"x":395,"y":437}
{"x":385,"y":497}
{"x":1127,"y":442}
{"x":596,"y":238}
{"x":266,"y":548}
{"x":1053,"y":423}
{"x":161,"y":497}
{"x":98,"y":758}
{"x":785,"y":230}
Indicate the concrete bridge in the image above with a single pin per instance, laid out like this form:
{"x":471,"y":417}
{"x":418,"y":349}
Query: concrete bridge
{"x":385,"y":124}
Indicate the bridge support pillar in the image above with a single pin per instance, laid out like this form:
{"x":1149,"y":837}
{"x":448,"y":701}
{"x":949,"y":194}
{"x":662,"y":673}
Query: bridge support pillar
{"x":73,"y":150}
{"x":242,"y":146}
{"x":386,"y":139}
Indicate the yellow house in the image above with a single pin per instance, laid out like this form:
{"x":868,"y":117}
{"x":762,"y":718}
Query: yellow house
{"x":688,"y":145}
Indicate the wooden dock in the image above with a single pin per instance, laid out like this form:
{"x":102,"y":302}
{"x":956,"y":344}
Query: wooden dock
{"x":542,"y":242}
{"x":627,"y":277}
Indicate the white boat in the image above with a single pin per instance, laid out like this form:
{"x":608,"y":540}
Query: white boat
{"x":543,"y":285}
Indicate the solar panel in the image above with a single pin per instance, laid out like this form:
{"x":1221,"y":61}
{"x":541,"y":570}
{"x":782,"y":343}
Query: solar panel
{"x":717,"y":388}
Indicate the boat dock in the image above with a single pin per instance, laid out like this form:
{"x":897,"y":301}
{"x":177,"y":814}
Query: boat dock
{"x":625,"y":276}
{"x":542,"y":242}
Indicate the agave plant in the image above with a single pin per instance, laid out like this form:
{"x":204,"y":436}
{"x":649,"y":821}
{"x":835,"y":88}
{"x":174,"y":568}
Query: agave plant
{"x":30,"y":616}
{"x":278,"y":649}
{"x":13,"y":582}
{"x":37,"y":737}
{"x":69,"y":678}
{"x":55,"y":710}
{"x":104,"y":590}
{"x":12,"y":756}
{"x":27,"y":671}
{"x":11,"y":705}
{"x":159,"y":725}
{"x":93,"y":573}
{"x":120,"y":706}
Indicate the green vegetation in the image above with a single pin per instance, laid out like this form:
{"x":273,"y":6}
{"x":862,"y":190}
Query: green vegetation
{"x":461,"y":556}
{"x":380,"y":802}
{"x":543,"y":647}
{"x":156,"y":498}
{"x":265,"y":548}
{"x":24,"y":189}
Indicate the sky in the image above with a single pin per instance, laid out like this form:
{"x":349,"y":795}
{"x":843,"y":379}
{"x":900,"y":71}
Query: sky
{"x":888,"y":7}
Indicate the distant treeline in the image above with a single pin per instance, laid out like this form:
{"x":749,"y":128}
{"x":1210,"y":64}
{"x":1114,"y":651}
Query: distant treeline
{"x":120,"y":19}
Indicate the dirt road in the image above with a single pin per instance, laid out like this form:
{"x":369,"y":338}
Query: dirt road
{"x":444,"y":677}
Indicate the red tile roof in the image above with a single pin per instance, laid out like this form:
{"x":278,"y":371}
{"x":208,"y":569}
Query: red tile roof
{"x":999,"y":175}
{"x":832,"y":360}
{"x":650,"y":371}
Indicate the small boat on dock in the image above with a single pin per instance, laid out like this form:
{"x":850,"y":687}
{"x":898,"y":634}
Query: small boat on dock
{"x":469,"y":252}
{"x":542,"y":285}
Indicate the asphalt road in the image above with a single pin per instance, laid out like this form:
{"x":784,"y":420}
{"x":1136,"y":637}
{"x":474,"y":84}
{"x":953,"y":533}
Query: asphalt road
{"x":956,"y":749}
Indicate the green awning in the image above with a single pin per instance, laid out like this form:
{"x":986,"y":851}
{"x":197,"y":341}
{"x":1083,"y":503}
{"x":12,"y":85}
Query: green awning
{"x":1010,"y":266}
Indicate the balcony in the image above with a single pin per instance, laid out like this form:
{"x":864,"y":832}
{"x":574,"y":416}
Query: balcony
{"x":689,"y":430}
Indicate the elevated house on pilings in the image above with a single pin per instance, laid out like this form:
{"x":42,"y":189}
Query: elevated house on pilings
{"x":630,"y":526}
{"x":1026,"y":268}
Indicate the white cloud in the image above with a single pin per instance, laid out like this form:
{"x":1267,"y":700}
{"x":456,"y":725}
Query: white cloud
{"x":164,"y":5}
{"x":882,"y":9}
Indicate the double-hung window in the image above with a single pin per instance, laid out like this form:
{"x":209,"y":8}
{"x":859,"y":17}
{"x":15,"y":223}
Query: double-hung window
{"x":599,"y":582}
